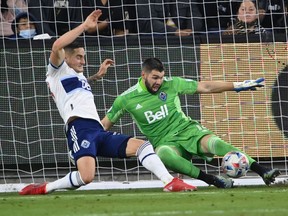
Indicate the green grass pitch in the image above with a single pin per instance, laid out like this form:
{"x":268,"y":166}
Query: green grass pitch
{"x":239,"y":201}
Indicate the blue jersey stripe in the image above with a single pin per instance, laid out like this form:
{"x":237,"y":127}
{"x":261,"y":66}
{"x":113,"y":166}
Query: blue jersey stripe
{"x":73,"y":83}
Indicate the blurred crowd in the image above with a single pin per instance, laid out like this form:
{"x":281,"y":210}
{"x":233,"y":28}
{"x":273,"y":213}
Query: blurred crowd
{"x":46,"y":19}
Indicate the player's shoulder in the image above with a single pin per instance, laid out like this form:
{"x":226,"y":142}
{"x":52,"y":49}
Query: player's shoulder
{"x":174,"y":79}
{"x":169,"y":79}
{"x":62,"y":68}
{"x":130,"y":90}
{"x":177,"y":79}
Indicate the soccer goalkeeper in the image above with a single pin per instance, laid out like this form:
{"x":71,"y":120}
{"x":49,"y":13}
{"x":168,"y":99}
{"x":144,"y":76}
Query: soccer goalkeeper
{"x":155,"y":106}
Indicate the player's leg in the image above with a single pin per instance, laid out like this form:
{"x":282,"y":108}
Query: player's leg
{"x":84,"y":175}
{"x":122,"y":146}
{"x":173,"y":159}
{"x":83,"y":152}
{"x":214,"y":145}
{"x":150,"y":160}
{"x":73,"y":180}
{"x":147,"y":157}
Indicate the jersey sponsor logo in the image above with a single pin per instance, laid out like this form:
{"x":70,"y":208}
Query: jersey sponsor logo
{"x":138,"y":107}
{"x":85,"y":144}
{"x":73,"y":83}
{"x":163,"y":96}
{"x":152,"y":117}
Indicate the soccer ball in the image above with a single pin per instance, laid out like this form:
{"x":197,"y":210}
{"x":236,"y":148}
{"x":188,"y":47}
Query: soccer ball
{"x":235,"y":164}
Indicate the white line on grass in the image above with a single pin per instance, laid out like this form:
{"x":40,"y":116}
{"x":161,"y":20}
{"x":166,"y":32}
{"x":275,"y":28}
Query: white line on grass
{"x":215,"y":212}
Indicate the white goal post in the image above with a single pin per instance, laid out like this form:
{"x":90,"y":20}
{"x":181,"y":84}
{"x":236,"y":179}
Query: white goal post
{"x":32,"y":141}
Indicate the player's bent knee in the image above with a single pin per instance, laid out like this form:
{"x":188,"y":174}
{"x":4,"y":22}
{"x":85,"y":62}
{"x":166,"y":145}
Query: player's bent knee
{"x":87,"y":177}
{"x":86,"y":167}
{"x":133,"y":145}
{"x":164,"y":151}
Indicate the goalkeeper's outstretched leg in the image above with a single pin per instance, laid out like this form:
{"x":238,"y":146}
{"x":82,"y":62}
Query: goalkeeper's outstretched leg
{"x":214,"y":145}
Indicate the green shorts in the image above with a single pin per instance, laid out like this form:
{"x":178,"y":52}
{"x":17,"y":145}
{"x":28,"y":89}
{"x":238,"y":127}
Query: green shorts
{"x":186,"y":142}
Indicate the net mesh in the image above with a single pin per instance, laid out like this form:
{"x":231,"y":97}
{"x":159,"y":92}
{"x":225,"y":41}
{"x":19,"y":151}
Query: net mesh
{"x":32,"y":141}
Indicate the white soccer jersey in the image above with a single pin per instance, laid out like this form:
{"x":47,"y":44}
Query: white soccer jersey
{"x":71,"y":93}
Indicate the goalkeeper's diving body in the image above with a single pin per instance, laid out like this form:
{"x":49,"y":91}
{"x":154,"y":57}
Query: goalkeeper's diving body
{"x":86,"y":137}
{"x":154,"y":105}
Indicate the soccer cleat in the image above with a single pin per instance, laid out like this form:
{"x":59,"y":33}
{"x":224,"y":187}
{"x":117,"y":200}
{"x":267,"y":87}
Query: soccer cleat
{"x":34,"y":189}
{"x":269,"y":176}
{"x":222,"y":182}
{"x":178,"y":185}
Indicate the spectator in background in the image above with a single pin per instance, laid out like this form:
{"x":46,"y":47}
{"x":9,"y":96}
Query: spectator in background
{"x":274,"y":15}
{"x":186,"y":15}
{"x":130,"y":16}
{"x":24,"y":26}
{"x":44,"y":13}
{"x":247,"y":21}
{"x":112,"y":21}
{"x":9,"y":9}
{"x":217,"y":14}
{"x":262,"y":7}
{"x":153,"y":16}
{"x":60,"y":16}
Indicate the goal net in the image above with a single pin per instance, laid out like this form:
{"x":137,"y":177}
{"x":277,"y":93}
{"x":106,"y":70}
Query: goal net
{"x":32,"y":140}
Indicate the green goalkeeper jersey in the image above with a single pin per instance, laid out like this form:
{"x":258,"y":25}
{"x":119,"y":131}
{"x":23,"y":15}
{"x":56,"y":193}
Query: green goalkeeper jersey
{"x":159,"y":116}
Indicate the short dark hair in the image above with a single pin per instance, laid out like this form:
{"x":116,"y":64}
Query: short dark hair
{"x":74,"y":45}
{"x":152,"y":64}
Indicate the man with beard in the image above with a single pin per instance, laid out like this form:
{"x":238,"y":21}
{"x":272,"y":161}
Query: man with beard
{"x":154,"y":105}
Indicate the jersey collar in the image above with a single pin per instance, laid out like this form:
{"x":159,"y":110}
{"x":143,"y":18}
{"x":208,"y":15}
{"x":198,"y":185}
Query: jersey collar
{"x":141,"y":86}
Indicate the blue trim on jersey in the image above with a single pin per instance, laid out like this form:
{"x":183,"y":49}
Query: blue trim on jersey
{"x":56,"y":67}
{"x":72,"y":83}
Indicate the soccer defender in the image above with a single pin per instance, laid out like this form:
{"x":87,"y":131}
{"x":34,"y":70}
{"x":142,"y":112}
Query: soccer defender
{"x":154,"y":105}
{"x":85,"y":134}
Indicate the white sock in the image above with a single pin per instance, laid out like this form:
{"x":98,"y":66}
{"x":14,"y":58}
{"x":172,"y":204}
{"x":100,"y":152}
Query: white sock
{"x":71,"y":180}
{"x":150,"y":160}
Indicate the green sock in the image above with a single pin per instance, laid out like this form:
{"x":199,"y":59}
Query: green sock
{"x":173,"y":161}
{"x":219,"y":147}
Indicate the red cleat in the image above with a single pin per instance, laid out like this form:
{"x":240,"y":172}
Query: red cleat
{"x":34,"y":189}
{"x":178,"y":185}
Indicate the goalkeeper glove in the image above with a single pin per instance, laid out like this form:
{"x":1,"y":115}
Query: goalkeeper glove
{"x":248,"y":85}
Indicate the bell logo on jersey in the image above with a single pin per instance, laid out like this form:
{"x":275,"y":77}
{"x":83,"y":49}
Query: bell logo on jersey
{"x":151,"y":117}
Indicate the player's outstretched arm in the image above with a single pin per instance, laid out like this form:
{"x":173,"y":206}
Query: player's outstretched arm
{"x":206,"y":87}
{"x":102,"y":71}
{"x":57,"y":55}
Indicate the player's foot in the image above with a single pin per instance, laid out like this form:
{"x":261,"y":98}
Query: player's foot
{"x":34,"y":189}
{"x":178,"y":185}
{"x":269,"y":176}
{"x":222,"y":182}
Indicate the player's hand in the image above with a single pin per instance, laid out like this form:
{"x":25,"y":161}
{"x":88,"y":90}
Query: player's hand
{"x":91,"y":21}
{"x":103,"y":68}
{"x":248,"y":85}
